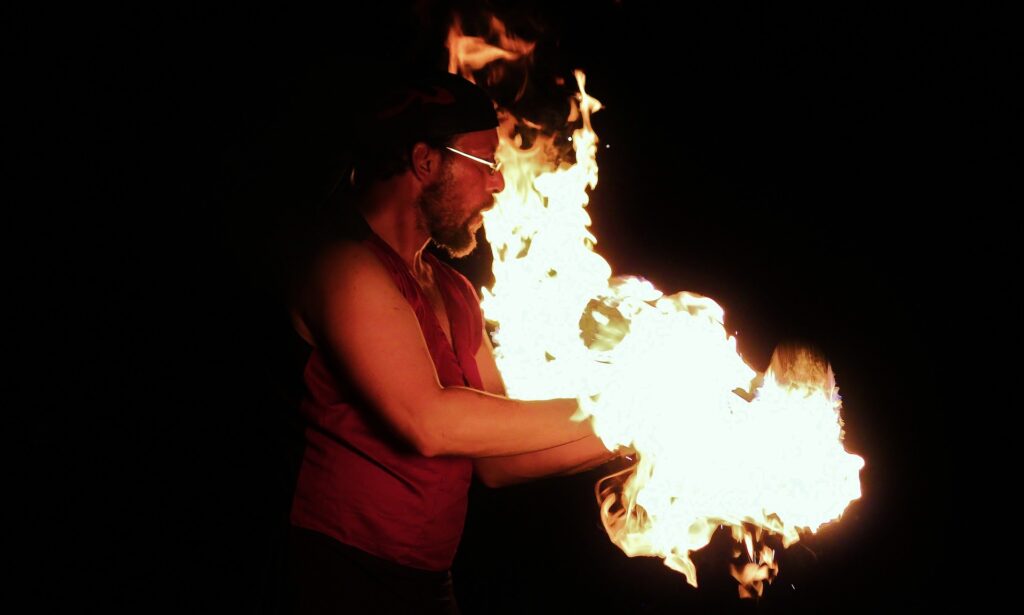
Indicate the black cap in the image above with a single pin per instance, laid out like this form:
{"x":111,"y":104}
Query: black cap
{"x":429,"y":106}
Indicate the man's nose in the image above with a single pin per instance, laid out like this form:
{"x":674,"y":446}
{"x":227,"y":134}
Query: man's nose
{"x":496,"y":183}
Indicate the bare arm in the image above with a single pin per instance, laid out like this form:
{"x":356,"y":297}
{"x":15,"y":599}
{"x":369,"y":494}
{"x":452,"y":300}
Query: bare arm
{"x":366,"y":329}
{"x":583,"y":454}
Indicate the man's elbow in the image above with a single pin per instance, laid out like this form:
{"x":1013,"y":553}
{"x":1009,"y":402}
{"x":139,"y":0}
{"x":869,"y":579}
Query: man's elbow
{"x":424,"y":434}
{"x":431,"y":439}
{"x":427,"y":444}
{"x":493,"y":481}
{"x":492,"y":475}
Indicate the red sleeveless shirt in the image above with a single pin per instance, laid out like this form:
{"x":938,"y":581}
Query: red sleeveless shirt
{"x":362,"y":485}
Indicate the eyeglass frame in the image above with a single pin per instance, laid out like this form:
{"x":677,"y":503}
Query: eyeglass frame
{"x":493,"y":166}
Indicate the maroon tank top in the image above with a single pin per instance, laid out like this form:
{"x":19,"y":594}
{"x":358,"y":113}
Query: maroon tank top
{"x":361,"y":484}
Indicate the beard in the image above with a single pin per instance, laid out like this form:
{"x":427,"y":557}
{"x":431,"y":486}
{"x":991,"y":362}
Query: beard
{"x":449,"y":228}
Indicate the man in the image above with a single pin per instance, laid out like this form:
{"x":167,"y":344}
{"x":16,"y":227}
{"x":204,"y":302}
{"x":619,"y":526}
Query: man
{"x":404,"y":401}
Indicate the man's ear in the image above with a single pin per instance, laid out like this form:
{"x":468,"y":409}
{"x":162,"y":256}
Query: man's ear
{"x":426,"y":162}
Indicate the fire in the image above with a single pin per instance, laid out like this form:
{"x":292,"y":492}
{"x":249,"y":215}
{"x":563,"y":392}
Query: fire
{"x":718,"y":443}
{"x":476,"y":52}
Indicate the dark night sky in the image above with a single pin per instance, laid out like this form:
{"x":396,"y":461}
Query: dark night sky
{"x":769,"y":157}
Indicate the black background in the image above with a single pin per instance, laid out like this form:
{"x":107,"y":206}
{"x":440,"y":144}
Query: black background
{"x":776,"y":158}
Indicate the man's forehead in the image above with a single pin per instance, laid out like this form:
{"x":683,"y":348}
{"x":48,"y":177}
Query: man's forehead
{"x":481,"y":139}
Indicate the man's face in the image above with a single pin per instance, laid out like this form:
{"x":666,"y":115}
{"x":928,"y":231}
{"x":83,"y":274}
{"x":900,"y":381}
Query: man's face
{"x":452,"y":204}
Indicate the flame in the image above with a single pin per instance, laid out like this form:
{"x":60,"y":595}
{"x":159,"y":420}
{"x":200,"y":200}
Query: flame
{"x":470,"y":53}
{"x":752,"y":576}
{"x":718,"y":444}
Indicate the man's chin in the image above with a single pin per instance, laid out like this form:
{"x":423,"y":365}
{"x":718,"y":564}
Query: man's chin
{"x":459,"y":247}
{"x":464,"y":252}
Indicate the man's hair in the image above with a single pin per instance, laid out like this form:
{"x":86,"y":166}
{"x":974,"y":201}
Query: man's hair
{"x":430,"y":108}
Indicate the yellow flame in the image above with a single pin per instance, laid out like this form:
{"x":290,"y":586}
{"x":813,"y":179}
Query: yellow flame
{"x":657,"y":373}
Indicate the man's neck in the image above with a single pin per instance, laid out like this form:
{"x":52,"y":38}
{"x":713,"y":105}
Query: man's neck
{"x":391,"y":211}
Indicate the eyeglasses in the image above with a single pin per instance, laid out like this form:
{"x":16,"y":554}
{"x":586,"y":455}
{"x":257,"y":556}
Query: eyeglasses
{"x":493,"y":166}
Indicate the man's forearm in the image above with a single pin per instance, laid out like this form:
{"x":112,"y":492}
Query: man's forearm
{"x":470,"y":423}
{"x":578,"y":456}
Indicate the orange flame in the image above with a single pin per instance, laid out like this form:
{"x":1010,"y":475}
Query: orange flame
{"x":471,"y":53}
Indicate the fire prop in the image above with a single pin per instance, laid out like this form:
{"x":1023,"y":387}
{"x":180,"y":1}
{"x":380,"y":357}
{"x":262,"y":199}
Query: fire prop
{"x":718,"y":444}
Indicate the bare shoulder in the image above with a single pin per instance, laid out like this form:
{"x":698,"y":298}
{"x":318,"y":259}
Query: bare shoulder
{"x":342,"y":260}
{"x":341,"y":273}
